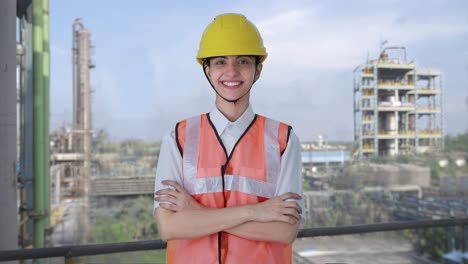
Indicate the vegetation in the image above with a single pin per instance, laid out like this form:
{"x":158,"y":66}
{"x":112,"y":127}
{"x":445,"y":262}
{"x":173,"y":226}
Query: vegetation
{"x":432,"y":242}
{"x":129,"y":158}
{"x":346,"y":208}
{"x":455,"y":146}
{"x":305,"y":185}
{"x":131,"y":220}
{"x":458,"y":143}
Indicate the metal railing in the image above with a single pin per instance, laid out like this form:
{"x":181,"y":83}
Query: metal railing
{"x":99,"y":249}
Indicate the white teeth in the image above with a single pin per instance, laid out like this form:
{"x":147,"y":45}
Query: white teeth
{"x":231,"y":83}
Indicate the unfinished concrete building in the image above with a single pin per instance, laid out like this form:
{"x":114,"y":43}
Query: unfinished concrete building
{"x":397,"y":107}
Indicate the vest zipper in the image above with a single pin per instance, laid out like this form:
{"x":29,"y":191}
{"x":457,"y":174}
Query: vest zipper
{"x":223,"y":169}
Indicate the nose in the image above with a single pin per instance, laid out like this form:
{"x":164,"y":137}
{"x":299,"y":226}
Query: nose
{"x":232,"y":68}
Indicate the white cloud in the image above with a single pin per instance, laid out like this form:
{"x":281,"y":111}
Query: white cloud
{"x":283,"y":22}
{"x":298,"y":39}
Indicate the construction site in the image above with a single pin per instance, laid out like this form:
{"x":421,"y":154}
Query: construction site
{"x":75,"y":195}
{"x":397,"y":106}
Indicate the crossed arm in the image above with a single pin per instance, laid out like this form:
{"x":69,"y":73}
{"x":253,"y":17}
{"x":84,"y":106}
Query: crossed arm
{"x":181,"y":217}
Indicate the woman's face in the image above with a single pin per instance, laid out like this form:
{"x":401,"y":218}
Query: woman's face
{"x":232,"y":76}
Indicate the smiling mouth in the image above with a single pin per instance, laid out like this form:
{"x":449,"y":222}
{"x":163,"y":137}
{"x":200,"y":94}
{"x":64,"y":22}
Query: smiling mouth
{"x":231,"y":84}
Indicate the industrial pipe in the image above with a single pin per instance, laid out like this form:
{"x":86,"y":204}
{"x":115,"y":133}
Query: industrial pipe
{"x":8,"y":182}
{"x":46,"y":98}
{"x":39,"y":210}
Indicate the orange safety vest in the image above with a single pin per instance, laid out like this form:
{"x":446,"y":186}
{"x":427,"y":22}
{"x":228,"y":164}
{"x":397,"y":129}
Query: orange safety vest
{"x":216,"y":180}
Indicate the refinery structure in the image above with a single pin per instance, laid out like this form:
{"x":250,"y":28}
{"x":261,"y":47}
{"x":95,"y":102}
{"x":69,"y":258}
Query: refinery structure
{"x":66,"y":168}
{"x":397,"y":106}
{"x":71,"y":149}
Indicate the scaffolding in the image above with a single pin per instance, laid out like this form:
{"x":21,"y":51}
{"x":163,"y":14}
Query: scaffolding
{"x":397,"y":107}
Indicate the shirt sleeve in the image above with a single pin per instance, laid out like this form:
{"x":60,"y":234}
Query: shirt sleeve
{"x":169,"y":164}
{"x":290,"y":179}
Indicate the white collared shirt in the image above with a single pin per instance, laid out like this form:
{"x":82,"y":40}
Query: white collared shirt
{"x":228,"y":131}
{"x":170,"y":159}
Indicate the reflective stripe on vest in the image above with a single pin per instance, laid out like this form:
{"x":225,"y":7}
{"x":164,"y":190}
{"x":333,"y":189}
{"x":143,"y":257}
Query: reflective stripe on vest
{"x":240,"y":183}
{"x":251,"y":173}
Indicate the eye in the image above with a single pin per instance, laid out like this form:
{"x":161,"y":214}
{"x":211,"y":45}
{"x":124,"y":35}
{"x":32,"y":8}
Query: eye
{"x":245,"y":60}
{"x":219,"y":61}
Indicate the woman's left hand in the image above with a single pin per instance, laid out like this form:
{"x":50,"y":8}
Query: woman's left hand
{"x":175,"y":200}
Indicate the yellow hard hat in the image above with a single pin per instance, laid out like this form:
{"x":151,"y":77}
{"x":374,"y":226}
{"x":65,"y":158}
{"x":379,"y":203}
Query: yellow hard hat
{"x":231,"y":34}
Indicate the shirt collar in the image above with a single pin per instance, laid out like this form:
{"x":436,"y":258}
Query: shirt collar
{"x":220,"y":122}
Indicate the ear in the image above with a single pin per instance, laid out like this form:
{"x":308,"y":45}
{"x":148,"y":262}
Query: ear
{"x":259,"y":71}
{"x":207,"y":71}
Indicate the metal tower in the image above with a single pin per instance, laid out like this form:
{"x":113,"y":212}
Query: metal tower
{"x":82,"y":109}
{"x":397,"y":107}
{"x":82,"y":100}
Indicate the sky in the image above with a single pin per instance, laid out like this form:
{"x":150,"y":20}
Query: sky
{"x":146,"y":76}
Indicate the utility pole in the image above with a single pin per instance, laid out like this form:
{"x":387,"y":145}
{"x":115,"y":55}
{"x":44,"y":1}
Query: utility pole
{"x":8,"y":203}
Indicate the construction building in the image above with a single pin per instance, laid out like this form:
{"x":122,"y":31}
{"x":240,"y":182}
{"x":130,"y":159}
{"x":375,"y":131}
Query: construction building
{"x":397,"y":106}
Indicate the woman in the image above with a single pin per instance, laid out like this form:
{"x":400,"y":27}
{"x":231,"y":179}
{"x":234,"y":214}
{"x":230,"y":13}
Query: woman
{"x":229,"y":182}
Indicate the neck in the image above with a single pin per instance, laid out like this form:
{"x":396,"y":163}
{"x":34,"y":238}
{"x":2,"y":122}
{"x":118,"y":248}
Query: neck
{"x":232,"y":111}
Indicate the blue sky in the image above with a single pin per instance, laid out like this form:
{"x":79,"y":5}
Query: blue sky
{"x":146,"y":77}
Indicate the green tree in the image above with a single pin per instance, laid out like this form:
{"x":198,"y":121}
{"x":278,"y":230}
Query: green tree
{"x":132,"y":220}
{"x":457,"y":143}
{"x":432,"y":242}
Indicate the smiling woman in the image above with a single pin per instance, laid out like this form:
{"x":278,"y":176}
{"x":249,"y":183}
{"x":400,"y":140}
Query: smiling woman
{"x":232,"y":77}
{"x":236,"y":175}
